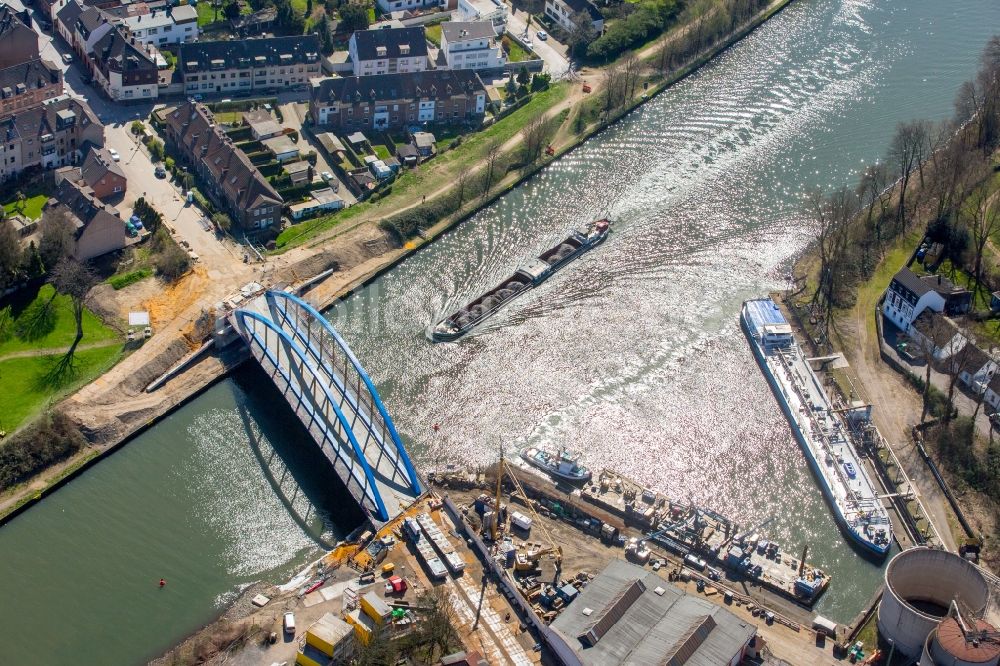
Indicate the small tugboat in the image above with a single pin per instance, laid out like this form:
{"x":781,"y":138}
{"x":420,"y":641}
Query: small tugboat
{"x":563,"y":466}
{"x":531,"y":275}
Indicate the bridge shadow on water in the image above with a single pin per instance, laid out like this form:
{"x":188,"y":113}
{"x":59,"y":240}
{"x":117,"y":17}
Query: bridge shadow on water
{"x":298,"y":472}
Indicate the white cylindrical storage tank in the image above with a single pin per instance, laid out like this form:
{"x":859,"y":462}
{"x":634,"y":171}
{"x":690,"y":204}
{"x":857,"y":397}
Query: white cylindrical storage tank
{"x":950,"y":645}
{"x":920,"y":585}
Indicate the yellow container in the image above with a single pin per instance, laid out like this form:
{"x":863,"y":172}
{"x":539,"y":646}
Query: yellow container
{"x":388,"y":568}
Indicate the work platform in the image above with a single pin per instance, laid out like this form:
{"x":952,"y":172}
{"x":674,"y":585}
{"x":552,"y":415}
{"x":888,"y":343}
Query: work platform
{"x":330,"y":392}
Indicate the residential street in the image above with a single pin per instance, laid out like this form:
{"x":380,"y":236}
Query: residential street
{"x":551,"y":51}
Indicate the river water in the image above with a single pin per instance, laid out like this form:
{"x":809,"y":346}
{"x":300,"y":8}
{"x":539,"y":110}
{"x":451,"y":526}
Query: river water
{"x":632,"y":355}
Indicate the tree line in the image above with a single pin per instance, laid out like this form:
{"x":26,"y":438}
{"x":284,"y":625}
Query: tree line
{"x":937,"y":172}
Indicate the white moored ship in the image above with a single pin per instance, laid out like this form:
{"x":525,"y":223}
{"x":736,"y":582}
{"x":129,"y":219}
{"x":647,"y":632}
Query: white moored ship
{"x":818,"y":427}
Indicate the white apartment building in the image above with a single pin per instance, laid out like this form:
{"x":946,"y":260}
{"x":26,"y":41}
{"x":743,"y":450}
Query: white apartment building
{"x":471,"y":45}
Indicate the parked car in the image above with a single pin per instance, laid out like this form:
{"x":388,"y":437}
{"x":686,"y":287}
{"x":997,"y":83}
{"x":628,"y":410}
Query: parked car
{"x":542,"y":35}
{"x":159,"y":171}
{"x":67,"y":58}
{"x":289,"y":623}
{"x":114,"y":154}
{"x":326,"y":176}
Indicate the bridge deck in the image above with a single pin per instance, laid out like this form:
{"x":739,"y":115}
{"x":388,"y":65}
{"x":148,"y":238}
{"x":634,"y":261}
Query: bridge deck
{"x":328,"y":390}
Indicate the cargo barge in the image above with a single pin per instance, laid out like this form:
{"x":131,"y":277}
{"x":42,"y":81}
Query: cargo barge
{"x":531,"y":275}
{"x":818,"y":428}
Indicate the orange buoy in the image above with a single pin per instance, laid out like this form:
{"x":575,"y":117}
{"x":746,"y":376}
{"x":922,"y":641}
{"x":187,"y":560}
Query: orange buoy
{"x":162,"y":582}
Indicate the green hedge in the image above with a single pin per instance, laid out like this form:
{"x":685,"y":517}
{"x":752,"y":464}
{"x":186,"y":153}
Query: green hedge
{"x":121,"y":281}
{"x":240,"y":134}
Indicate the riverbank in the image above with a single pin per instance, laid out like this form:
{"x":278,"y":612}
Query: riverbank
{"x":115,"y":408}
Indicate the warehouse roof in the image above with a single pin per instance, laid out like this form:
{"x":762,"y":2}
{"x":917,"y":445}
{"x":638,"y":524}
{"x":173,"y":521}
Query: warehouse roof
{"x":628,"y":614}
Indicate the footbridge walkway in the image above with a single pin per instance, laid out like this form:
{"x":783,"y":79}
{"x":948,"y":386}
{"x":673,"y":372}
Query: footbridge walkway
{"x":334,"y":398}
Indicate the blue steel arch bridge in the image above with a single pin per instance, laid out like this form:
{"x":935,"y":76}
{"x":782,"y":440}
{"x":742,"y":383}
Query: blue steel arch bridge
{"x":333,"y":396}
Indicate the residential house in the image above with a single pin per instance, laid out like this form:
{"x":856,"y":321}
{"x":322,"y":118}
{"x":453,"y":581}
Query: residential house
{"x":49,"y":9}
{"x":104,"y":176}
{"x":975,"y":368}
{"x":491,"y":12}
{"x":992,"y":394}
{"x":319,"y":200}
{"x":226,"y":173}
{"x":170,"y":25}
{"x":64,"y":21}
{"x":909,"y":295}
{"x":425,"y":143}
{"x":98,"y":229}
{"x":91,"y":26}
{"x":300,"y":173}
{"x":48,"y":136}
{"x":398,"y":100}
{"x":936,"y":336}
{"x":283,"y":147}
{"x":471,"y":45}
{"x":388,"y":51}
{"x":125,"y":69}
{"x":389,"y":6}
{"x":28,"y":84}
{"x":272,"y":63}
{"x":563,"y":12}
{"x":18,"y":40}
{"x":262,"y":125}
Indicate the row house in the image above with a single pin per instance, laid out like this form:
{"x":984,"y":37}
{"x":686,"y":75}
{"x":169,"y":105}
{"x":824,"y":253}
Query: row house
{"x":235,"y":66}
{"x":18,"y":40}
{"x":226,"y":173}
{"x":48,"y":136}
{"x":173,"y":25}
{"x":125,"y":69}
{"x":398,"y":100}
{"x":28,"y":84}
{"x":97,"y":228}
{"x":388,"y":51}
{"x":471,"y":45}
{"x":563,"y":12}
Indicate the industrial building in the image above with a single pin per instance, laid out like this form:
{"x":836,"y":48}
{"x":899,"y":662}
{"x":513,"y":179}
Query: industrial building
{"x":628,"y":614}
{"x":921,"y":587}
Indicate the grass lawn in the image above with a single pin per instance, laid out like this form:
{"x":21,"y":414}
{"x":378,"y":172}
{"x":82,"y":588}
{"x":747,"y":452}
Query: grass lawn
{"x":433,"y":33}
{"x":34,"y":326}
{"x":31,"y":207}
{"x":26,"y":391}
{"x":207,"y":13}
{"x":515,"y":52}
{"x":229,"y":117}
{"x":381,"y":151}
{"x":439,"y":172}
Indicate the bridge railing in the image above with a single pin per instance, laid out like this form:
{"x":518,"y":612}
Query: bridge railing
{"x":279,"y":354}
{"x":331,"y":354}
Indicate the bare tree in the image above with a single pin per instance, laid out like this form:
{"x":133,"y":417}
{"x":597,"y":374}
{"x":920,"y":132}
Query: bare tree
{"x":461,"y":183}
{"x":665,"y":56}
{"x":871,"y":192}
{"x":958,"y":363}
{"x":832,"y":216}
{"x":904,"y":152}
{"x":58,"y":236}
{"x":491,"y":159}
{"x":630,"y":69}
{"x":581,"y":34}
{"x":931,"y":338}
{"x":534,"y":135}
{"x":74,"y":279}
{"x":982,"y":215}
{"x":612,"y":84}
{"x":11,"y":257}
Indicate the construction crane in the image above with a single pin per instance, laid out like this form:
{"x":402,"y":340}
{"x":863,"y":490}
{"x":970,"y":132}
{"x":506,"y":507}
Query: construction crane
{"x":759,"y":526}
{"x":533,"y":554}
{"x":802,"y":560}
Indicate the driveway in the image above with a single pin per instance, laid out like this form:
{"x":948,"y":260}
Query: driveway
{"x":549,"y":50}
